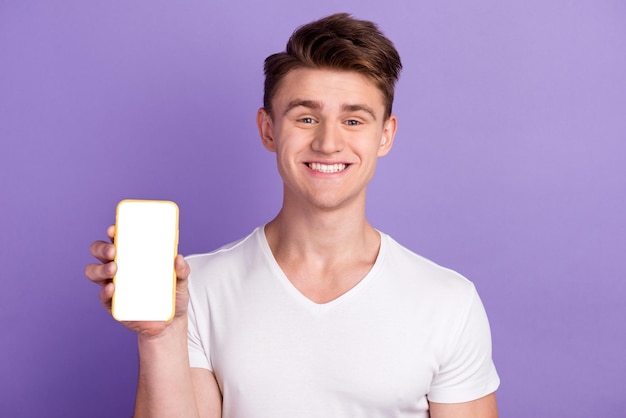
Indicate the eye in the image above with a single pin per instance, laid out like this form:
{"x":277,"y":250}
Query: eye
{"x":352,"y":122}
{"x":306,"y":120}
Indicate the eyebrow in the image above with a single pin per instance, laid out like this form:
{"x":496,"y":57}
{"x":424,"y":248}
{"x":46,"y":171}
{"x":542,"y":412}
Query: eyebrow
{"x":311,"y":104}
{"x":315,"y":105}
{"x":359,"y":108}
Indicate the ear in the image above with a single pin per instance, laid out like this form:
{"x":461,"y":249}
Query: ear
{"x":390,"y":127}
{"x":266,"y":129}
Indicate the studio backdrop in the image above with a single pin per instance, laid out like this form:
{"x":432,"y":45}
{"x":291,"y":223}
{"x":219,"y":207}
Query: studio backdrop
{"x":508,"y":167}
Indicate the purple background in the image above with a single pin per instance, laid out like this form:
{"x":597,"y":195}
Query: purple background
{"x":508,"y":167}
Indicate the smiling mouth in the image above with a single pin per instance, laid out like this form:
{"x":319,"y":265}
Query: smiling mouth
{"x":327,"y":168}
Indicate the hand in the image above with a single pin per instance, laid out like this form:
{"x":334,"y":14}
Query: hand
{"x":102,"y":274}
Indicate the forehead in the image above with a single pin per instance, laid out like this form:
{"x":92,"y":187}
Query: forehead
{"x":328,"y":87}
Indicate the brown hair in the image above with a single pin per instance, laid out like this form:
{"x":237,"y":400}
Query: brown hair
{"x":337,"y":42}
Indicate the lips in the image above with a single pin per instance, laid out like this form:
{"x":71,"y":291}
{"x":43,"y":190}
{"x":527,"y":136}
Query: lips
{"x":327,"y":168}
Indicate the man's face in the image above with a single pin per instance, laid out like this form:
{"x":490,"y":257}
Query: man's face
{"x":327,"y":131}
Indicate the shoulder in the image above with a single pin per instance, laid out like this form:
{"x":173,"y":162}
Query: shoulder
{"x":424,"y":274}
{"x":225,"y":252}
{"x":232,"y":259}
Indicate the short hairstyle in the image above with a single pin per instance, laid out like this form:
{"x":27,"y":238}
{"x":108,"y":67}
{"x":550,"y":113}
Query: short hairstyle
{"x":338,"y":42}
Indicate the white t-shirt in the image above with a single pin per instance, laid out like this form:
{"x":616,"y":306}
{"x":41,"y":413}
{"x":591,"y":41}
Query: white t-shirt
{"x":409,"y":332}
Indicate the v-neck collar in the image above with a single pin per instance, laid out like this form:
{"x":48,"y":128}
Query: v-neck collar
{"x":314,"y":307}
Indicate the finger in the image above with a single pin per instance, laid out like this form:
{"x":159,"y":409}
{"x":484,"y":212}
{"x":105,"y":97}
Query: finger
{"x":111,"y":232}
{"x":103,"y":251}
{"x":101,"y":273}
{"x":181,"y":267}
{"x":182,"y":293}
{"x":106,"y":296}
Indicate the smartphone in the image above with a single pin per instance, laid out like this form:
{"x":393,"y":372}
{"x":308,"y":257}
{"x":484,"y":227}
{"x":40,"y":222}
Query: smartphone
{"x":146,"y":241}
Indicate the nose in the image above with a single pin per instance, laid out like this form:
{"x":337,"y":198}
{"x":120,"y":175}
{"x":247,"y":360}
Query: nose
{"x":328,"y":139}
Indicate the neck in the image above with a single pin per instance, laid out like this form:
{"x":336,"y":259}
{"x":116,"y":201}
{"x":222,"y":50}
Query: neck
{"x":323,"y":235}
{"x":323,"y":252}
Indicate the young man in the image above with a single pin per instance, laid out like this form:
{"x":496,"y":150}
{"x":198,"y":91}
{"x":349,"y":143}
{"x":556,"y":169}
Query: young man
{"x":317,"y":314}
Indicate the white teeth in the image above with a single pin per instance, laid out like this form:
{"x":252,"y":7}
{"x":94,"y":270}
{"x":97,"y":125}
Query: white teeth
{"x":327,"y":168}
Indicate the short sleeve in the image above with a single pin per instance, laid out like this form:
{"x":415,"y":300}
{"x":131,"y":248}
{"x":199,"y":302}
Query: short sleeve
{"x":467,"y":372}
{"x":197,"y":354}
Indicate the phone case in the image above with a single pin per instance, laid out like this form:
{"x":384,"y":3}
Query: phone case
{"x":146,"y":241}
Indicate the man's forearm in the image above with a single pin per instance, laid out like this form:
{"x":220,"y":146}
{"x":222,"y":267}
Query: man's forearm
{"x":165,"y":387}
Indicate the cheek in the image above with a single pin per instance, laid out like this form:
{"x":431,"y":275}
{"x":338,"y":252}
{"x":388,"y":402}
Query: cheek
{"x":373,"y":146}
{"x":284,"y":156}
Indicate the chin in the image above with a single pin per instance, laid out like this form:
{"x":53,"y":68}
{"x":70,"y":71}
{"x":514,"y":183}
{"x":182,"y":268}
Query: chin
{"x":329,"y":203}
